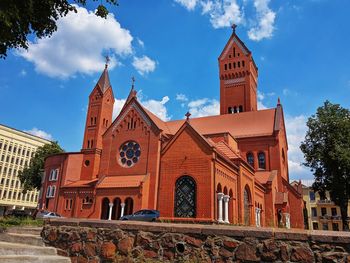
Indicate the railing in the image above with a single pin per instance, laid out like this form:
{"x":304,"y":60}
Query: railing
{"x":327,"y":217}
{"x":326,"y":201}
{"x":337,"y":217}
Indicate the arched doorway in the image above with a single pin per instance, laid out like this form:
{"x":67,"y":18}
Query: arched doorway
{"x":116,"y":209}
{"x":246,"y":204}
{"x":185,"y":197}
{"x":105,"y":208}
{"x":129,"y":206}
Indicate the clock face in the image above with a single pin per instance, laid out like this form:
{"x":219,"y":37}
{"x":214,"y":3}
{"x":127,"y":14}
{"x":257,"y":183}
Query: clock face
{"x":129,"y":154}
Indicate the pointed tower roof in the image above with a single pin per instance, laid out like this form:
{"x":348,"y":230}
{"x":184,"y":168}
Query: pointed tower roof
{"x":104,"y":82}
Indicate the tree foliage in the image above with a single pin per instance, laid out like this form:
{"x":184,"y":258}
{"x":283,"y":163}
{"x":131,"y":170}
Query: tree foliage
{"x":326,"y":150}
{"x":30,"y":176}
{"x":20,"y":18}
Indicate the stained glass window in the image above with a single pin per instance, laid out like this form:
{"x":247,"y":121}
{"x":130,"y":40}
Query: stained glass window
{"x":185,"y":197}
{"x":262,"y":162}
{"x":129,"y":154}
{"x":250,"y":159}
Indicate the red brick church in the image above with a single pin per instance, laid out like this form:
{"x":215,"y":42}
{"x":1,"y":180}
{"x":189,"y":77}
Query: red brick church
{"x":229,"y":168}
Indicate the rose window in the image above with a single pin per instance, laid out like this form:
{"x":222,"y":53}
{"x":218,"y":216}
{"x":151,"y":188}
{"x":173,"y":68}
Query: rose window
{"x":129,"y":154}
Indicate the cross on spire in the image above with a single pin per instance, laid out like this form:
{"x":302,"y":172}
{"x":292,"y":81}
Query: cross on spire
{"x":107,"y":61}
{"x":132,"y":82}
{"x":234,"y":28}
{"x":187,"y":115}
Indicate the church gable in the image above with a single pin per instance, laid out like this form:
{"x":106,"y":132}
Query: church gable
{"x":234,"y":46}
{"x":187,"y":142}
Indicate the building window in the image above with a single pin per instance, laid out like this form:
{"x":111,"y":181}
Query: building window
{"x":53,"y":190}
{"x":53,"y":175}
{"x":262,"y":162}
{"x":325,"y":226}
{"x":185,"y":197}
{"x":48,"y":191}
{"x":315,"y":226}
{"x":323,"y":211}
{"x":240,"y":108}
{"x":69,"y":204}
{"x":334,"y":211}
{"x":225,"y":66}
{"x":335,"y":226}
{"x":250,"y":159}
{"x":313,"y":211}
{"x":312,"y":196}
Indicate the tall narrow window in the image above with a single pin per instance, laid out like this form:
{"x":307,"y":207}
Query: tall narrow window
{"x":95,"y":120}
{"x":225,"y":66}
{"x":234,"y":64}
{"x":106,"y":123}
{"x":262,"y":161}
{"x":234,"y":109}
{"x":240,"y":108}
{"x":234,"y":52}
{"x":92,"y":143}
{"x":229,"y":65}
{"x":230,"y":110}
{"x":88,"y":144}
{"x":250,"y":159}
{"x":242,"y":63}
{"x":185,"y":197}
{"x":239,"y":64}
{"x":91,"y":121}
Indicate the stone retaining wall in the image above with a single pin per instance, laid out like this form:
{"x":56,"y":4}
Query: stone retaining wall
{"x":120,"y":241}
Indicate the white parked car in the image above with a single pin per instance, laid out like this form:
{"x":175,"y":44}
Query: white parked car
{"x":47,"y":214}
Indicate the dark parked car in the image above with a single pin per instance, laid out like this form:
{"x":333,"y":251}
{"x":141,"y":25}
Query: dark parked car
{"x":17,"y":213}
{"x":143,"y":215}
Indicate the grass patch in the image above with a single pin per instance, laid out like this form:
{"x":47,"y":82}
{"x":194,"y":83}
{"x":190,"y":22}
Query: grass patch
{"x":15,"y":221}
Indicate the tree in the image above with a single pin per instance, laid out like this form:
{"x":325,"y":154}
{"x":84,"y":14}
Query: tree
{"x":326,"y":150}
{"x":20,"y":18}
{"x":30,"y":176}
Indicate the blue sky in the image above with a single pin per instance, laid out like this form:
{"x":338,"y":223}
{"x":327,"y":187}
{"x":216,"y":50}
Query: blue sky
{"x":171,"y":47}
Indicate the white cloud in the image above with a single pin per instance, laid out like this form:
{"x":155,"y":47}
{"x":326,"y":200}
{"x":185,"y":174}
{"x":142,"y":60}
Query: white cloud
{"x":204,"y":107}
{"x":188,"y":4}
{"x":181,"y":97}
{"x":266,"y":19}
{"x":157,"y":107}
{"x":144,"y":65}
{"x":223,"y":13}
{"x":140,"y":42}
{"x":79,"y":44}
{"x":296,"y":130}
{"x":40,"y":133}
{"x":23,"y":73}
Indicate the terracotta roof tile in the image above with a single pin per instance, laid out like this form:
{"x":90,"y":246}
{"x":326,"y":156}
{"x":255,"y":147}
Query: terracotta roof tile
{"x":226,"y":150}
{"x":120,"y":181}
{"x":81,"y":183}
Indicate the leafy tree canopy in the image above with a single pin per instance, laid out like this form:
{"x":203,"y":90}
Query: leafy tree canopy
{"x":19,"y":18}
{"x":30,"y":176}
{"x":326,"y":150}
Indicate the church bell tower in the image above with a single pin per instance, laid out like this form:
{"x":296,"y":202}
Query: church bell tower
{"x":238,"y":77}
{"x":98,"y":119}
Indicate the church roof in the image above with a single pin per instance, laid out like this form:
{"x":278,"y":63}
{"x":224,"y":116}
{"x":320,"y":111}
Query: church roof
{"x":244,"y":124}
{"x":104,"y":82}
{"x":122,"y":181}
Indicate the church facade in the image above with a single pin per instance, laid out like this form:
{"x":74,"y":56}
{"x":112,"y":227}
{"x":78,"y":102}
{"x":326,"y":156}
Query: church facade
{"x":229,"y":168}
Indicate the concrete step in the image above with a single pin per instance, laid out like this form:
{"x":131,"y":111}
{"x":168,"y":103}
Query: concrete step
{"x":29,"y":239}
{"x":7,"y":248}
{"x":34,"y":259}
{"x":25,"y":230}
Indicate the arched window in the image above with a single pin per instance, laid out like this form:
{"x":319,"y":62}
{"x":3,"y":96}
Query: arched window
{"x":262,"y":161}
{"x":185,"y":197}
{"x":229,"y":110}
{"x":48,"y":192}
{"x":53,"y":190}
{"x":247,"y":206}
{"x":234,"y":109}
{"x":250,"y":159}
{"x":240,"y":108}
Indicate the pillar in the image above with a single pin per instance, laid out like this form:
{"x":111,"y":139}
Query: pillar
{"x":110,"y":211}
{"x":122,"y":211}
{"x":226,"y":200}
{"x":220,"y":197}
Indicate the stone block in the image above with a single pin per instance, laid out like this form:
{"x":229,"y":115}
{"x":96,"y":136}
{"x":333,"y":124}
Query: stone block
{"x":246,"y":252}
{"x":302,"y":254}
{"x":108,"y":250}
{"x":125,"y":245}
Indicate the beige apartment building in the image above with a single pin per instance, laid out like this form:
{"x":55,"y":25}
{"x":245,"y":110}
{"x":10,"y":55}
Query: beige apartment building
{"x":320,"y":214}
{"x":16,"y":150}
